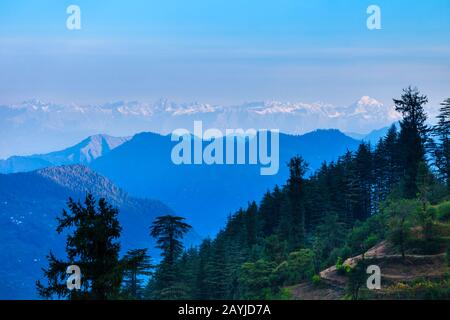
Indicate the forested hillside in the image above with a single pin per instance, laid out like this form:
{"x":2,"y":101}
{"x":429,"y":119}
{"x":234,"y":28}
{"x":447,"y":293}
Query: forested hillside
{"x":206,"y":194}
{"x":29,"y":205}
{"x":393,"y":194}
{"x":387,"y":191}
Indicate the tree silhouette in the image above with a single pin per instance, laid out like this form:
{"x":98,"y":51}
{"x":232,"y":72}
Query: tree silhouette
{"x":136,"y":264}
{"x":168,"y":231}
{"x":92,"y":245}
{"x":413,"y":136}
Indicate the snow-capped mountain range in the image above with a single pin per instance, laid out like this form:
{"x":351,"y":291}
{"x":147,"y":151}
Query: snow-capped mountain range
{"x":36,"y":127}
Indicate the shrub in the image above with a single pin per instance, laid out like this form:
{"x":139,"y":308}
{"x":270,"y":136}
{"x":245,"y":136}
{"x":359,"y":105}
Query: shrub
{"x":420,"y":289}
{"x":299,"y":266}
{"x":339,"y":266}
{"x":256,"y":279}
{"x":347,"y":269}
{"x":371,"y":241}
{"x":316,"y":280}
{"x":443,"y":211}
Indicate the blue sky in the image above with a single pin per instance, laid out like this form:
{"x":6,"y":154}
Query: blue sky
{"x":225,"y":51}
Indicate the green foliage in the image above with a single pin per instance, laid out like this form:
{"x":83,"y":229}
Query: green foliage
{"x":330,"y":234}
{"x":256,"y":280}
{"x":275,"y":249}
{"x":367,"y":234}
{"x":299,"y":266}
{"x":400,"y":214}
{"x":441,"y":149}
{"x":380,"y":192}
{"x":421,"y":289}
{"x":443,"y":211}
{"x":316,"y":280}
{"x":340,"y":266}
{"x":412,"y":138}
{"x":357,"y":277}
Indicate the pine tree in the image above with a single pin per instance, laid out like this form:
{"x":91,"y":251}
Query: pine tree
{"x":219,"y":269}
{"x":251,"y":222}
{"x":267,"y":213}
{"x":442,"y":148}
{"x":168,"y":231}
{"x":347,"y":192}
{"x":413,"y":136}
{"x":400,"y":213}
{"x":204,"y":271}
{"x":392,"y":155}
{"x":295,"y":196}
{"x":136,"y":265}
{"x":363,"y":176}
{"x":92,"y":244}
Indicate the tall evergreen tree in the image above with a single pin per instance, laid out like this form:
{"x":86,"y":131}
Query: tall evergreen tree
{"x":202,"y":281}
{"x":442,"y":147}
{"x":363,"y":182}
{"x":168,"y":231}
{"x":92,"y":244}
{"x":136,"y":266}
{"x":392,"y":157}
{"x":295,"y":195}
{"x":413,"y":136}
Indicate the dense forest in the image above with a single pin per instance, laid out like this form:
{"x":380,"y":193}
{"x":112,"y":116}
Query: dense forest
{"x":396,"y":190}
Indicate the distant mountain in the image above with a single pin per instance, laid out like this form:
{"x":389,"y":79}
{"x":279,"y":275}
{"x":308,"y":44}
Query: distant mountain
{"x":373,"y":136}
{"x":206,"y":194}
{"x":38,"y":127}
{"x":29,"y":204}
{"x":82,"y":153}
{"x":356,"y":135}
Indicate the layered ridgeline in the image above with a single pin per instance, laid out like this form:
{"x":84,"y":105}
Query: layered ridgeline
{"x":35,"y":126}
{"x":206,"y":194}
{"x":382,"y":207}
{"x":29,"y":205}
{"x":84,"y":152}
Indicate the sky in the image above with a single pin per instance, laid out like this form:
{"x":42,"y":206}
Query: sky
{"x":222,"y":51}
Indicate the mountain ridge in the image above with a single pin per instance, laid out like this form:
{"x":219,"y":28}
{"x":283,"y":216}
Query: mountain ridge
{"x":199,"y":188}
{"x":83,"y":152}
{"x":29,"y":205}
{"x":54,"y":125}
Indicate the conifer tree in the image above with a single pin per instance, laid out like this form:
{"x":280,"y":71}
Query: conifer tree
{"x":92,"y":244}
{"x":413,"y":136}
{"x":442,"y":147}
{"x":136,"y":265}
{"x":363,"y":176}
{"x":295,"y":196}
{"x":168,"y":231}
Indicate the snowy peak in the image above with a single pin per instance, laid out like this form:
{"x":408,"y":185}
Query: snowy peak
{"x":368,"y":101}
{"x":365,"y":104}
{"x":35,"y":126}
